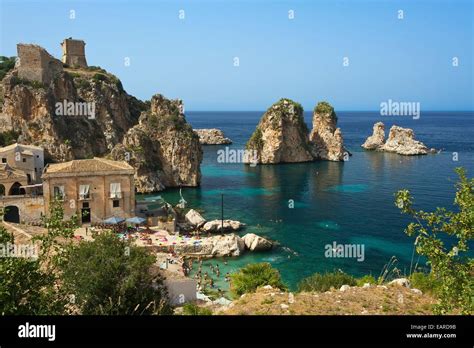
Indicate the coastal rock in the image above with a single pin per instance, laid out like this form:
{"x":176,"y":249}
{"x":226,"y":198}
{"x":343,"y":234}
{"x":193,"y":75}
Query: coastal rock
{"x":326,"y":140}
{"x":256,"y":243}
{"x":400,"y":282}
{"x":281,"y":136}
{"x":377,"y":139}
{"x":212,"y":136}
{"x":402,"y":141}
{"x":194,"y":218}
{"x":344,"y":288}
{"x":228,"y":245}
{"x":162,"y":147}
{"x":216,"y":226}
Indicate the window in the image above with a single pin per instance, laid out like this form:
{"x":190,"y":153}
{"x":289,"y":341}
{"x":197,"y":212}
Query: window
{"x":24,"y":159}
{"x":58,"y":192}
{"x":85,"y":205}
{"x":116,"y":203}
{"x":4,"y":160}
{"x":115,"y":190}
{"x":84,"y":192}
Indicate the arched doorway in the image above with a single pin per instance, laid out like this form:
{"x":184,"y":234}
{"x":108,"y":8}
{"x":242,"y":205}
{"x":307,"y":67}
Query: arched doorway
{"x":11,"y":214}
{"x":2,"y":190}
{"x":16,"y":190}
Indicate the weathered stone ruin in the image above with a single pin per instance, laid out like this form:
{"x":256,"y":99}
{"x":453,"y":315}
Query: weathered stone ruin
{"x":74,"y":53}
{"x":36,"y":64}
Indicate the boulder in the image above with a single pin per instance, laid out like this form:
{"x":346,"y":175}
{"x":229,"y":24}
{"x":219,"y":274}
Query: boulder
{"x":377,"y":138}
{"x":216,"y":226}
{"x":402,"y":141}
{"x":228,"y":245}
{"x":212,"y":136}
{"x":344,"y":288}
{"x":400,"y":282}
{"x":194,"y":218}
{"x":281,"y":136}
{"x":326,"y":140}
{"x":256,"y":243}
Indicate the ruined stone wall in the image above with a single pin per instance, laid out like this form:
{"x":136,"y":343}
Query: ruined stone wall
{"x":36,"y":64}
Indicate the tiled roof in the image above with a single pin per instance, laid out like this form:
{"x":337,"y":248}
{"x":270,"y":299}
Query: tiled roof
{"x":88,"y":165}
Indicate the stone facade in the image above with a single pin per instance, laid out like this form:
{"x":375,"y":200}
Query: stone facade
{"x":22,"y":209}
{"x":36,"y":64}
{"x":94,"y":189}
{"x":26,"y":158}
{"x":74,"y":53}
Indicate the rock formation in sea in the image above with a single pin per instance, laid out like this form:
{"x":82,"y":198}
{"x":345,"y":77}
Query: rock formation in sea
{"x":83,"y":112}
{"x":377,"y":139}
{"x":326,"y":140}
{"x":281,"y":135}
{"x":256,"y":243}
{"x":400,"y":140}
{"x":212,"y":136}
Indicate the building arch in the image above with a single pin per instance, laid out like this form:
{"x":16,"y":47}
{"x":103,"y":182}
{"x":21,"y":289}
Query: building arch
{"x":16,"y":190}
{"x":11,"y":213}
{"x":2,"y":190}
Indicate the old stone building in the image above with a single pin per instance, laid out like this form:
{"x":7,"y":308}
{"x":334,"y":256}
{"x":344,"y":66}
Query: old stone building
{"x":28,"y":159}
{"x":94,"y":189}
{"x":74,"y":53}
{"x":36,"y":64}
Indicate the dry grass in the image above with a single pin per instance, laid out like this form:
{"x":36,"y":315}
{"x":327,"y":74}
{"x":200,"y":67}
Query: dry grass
{"x":355,"y":301}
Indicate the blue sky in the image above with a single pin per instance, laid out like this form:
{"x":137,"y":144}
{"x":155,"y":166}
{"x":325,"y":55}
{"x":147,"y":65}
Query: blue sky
{"x":302,"y":58}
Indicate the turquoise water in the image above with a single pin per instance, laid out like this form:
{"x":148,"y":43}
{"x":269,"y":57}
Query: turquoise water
{"x":350,"y":202}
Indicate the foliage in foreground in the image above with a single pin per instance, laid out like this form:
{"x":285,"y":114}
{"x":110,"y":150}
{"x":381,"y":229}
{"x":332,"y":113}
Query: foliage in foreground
{"x":253,"y":276}
{"x":322,"y":282}
{"x":193,"y":309}
{"x":111,"y":276}
{"x":104,"y":276}
{"x":443,"y":237}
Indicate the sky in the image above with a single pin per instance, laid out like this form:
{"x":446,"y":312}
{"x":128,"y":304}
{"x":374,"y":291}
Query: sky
{"x":354,"y":54}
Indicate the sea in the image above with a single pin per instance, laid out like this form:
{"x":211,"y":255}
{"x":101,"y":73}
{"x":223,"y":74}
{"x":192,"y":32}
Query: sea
{"x":308,"y":207}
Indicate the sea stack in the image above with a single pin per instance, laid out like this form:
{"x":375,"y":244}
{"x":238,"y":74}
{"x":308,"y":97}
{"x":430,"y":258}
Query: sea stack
{"x":212,"y":136}
{"x":281,"y":136}
{"x":377,"y":139}
{"x":326,"y":140}
{"x":400,"y":140}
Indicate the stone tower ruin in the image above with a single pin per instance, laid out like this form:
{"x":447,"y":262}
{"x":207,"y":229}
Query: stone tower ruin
{"x":36,"y":64}
{"x":74,"y":53}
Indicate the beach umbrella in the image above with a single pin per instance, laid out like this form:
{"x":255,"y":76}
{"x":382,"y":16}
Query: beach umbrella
{"x":136,"y":220}
{"x":113,"y":220}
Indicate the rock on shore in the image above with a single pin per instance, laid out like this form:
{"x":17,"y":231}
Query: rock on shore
{"x":212,"y":136}
{"x":256,"y":243}
{"x":194,"y":218}
{"x":215,"y":246}
{"x":216,"y":226}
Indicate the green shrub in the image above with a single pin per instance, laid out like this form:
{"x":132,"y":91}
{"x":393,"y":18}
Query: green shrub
{"x":193,"y":309}
{"x":253,"y":276}
{"x":366,"y":279}
{"x":325,"y":108}
{"x":100,"y":77}
{"x":451,"y":262}
{"x":426,"y":282}
{"x":6,"y":64}
{"x":8,"y":137}
{"x":325,"y":281}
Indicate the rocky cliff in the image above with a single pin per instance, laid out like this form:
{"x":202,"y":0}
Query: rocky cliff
{"x":281,"y":135}
{"x":85,"y":112}
{"x":162,"y":147}
{"x":326,"y":139}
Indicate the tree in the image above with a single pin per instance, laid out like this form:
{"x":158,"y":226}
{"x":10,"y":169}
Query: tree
{"x":252,"y":276}
{"x":111,"y":276}
{"x":443,"y":237}
{"x":25,"y":289}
